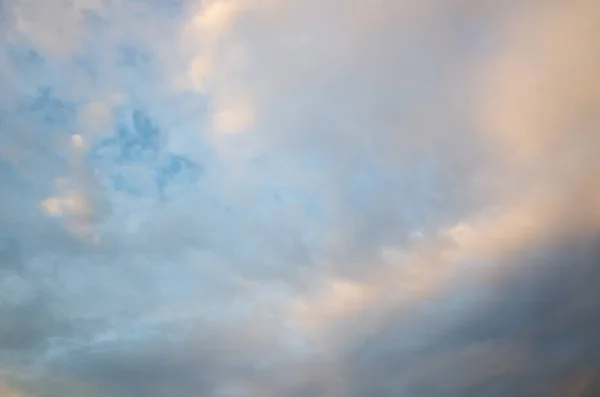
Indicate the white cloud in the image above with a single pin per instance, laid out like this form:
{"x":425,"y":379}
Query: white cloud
{"x":96,"y":118}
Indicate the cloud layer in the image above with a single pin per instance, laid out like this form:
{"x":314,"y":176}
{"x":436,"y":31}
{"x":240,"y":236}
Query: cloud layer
{"x":298,"y":198}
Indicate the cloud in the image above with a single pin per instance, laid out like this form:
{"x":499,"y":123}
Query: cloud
{"x":516,"y":334}
{"x":269,"y":198}
{"x":7,"y":391}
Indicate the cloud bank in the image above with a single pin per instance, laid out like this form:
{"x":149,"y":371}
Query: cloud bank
{"x":297,"y":198}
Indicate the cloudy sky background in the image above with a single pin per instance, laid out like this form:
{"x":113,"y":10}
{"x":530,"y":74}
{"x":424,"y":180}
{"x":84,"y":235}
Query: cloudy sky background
{"x":299,"y":198}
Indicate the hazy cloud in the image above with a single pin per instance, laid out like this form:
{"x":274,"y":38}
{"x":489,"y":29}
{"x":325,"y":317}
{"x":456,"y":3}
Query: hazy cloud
{"x":294,"y":198}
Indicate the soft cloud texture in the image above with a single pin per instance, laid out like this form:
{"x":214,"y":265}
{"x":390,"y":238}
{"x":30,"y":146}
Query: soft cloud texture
{"x":290,"y":198}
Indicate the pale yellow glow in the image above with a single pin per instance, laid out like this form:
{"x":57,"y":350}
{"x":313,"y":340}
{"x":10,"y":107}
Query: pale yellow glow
{"x":7,"y":391}
{"x":340,"y":298}
{"x":217,"y":16}
{"x":71,"y":203}
{"x":78,"y":142}
{"x":75,"y":207}
{"x":543,"y":83}
{"x":235,"y":119}
{"x":52,"y":206}
{"x":96,"y":117}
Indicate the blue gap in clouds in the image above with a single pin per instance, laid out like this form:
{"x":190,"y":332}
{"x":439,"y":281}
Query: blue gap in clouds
{"x":176,"y":170}
{"x":24,"y":57}
{"x":51,"y":111}
{"x":139,"y":142}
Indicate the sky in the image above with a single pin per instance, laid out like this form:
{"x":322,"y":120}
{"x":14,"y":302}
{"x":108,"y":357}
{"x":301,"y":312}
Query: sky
{"x":293,"y":198}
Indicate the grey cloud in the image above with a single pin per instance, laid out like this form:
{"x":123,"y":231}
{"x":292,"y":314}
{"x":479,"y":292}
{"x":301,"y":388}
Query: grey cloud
{"x":527,"y":332}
